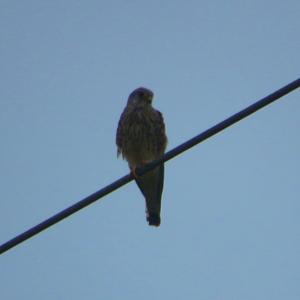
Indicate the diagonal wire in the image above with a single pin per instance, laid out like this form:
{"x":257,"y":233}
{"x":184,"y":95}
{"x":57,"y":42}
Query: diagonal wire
{"x":169,"y":155}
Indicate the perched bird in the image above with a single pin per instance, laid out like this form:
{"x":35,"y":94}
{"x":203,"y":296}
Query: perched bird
{"x":141,"y":138}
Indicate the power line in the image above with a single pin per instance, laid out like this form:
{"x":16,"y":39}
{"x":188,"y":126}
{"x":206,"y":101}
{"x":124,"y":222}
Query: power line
{"x":169,"y":155}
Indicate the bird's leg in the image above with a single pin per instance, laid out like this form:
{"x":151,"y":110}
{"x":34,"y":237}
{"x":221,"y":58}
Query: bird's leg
{"x":133,"y":171}
{"x":133,"y":168}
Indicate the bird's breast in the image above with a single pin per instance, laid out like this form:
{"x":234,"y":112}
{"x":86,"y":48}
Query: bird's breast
{"x":140,"y":138}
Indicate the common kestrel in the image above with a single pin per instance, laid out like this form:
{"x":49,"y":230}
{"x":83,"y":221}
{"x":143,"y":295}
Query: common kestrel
{"x":141,"y":138}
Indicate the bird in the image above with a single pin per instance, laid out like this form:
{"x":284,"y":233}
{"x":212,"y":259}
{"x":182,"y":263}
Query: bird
{"x":141,"y":138}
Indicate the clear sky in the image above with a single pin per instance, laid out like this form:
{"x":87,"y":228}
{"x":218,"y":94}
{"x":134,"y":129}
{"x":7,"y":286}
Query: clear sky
{"x":230,"y":219}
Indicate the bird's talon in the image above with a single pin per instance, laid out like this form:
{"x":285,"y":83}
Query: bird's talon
{"x":133,"y":171}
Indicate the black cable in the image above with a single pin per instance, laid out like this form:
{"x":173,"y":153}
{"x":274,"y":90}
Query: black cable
{"x":169,"y":155}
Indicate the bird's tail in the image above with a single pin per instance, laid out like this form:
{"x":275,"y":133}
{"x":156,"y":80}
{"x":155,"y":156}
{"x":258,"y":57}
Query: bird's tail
{"x":153,"y":219}
{"x":151,"y":185}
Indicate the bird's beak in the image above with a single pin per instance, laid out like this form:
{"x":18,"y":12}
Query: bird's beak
{"x":149,"y":98}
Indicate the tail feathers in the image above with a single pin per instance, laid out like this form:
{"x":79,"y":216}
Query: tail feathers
{"x":153,"y":219}
{"x":151,"y":186}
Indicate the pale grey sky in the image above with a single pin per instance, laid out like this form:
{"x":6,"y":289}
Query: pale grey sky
{"x":230,"y":219}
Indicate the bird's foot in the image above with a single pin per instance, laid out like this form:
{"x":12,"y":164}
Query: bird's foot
{"x":133,"y":168}
{"x":133,"y":171}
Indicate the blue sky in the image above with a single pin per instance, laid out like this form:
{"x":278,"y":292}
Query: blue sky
{"x":230,"y":221}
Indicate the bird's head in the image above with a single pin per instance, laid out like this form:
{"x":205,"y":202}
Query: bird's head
{"x":140,"y":97}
